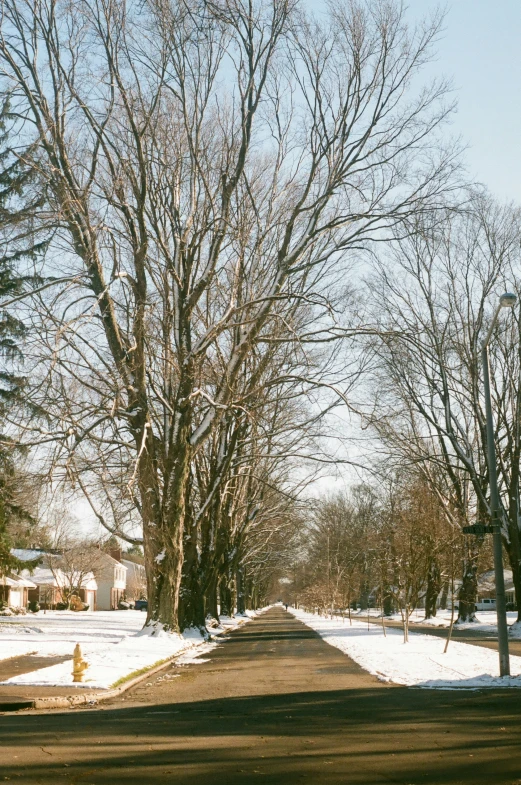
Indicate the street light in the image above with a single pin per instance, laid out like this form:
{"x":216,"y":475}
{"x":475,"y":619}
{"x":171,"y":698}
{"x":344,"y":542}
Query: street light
{"x":507,"y":300}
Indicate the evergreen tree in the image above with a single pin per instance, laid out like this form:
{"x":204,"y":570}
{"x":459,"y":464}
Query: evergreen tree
{"x":20,"y":199}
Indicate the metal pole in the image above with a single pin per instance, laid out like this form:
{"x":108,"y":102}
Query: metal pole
{"x":501,"y":609}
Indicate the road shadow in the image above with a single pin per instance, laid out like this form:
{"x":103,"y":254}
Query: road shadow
{"x":350,"y":736}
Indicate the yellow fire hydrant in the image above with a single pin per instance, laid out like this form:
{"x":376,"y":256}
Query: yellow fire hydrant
{"x":79,"y":665}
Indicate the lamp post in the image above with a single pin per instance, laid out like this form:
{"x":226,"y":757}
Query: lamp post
{"x":507,"y":300}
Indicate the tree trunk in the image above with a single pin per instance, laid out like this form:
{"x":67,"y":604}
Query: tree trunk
{"x":444,"y":595}
{"x":226,"y":596}
{"x":239,"y":582}
{"x":164,"y":546}
{"x":388,"y":605}
{"x":250,"y":602}
{"x":433,"y":590}
{"x":253,"y":597}
{"x":211,"y":608}
{"x":191,"y":597}
{"x":469,"y":588}
{"x":164,"y":579}
{"x":513,"y":549}
{"x":364,"y":597}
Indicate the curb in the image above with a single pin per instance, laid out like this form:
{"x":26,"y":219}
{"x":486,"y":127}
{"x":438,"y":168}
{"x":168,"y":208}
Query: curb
{"x":92,"y":698}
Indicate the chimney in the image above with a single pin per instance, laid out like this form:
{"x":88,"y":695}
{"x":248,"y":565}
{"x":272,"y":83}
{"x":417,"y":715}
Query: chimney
{"x":116,"y":553}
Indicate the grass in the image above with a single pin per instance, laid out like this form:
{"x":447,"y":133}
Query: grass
{"x":140,"y":672}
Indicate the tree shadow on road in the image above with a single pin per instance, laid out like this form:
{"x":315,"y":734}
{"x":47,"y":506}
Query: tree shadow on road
{"x":394,"y":735}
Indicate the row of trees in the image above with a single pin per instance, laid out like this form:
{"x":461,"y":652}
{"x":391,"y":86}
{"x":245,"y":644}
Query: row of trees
{"x":390,"y":549}
{"x":185,"y":191}
{"x":393,"y":549}
{"x":437,"y":294}
{"x":434,"y":293}
{"x":204,"y":174}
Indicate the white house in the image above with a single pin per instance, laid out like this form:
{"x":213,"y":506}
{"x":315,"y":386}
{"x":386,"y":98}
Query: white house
{"x":487,"y":586}
{"x":112,"y":583}
{"x":47,"y":583}
{"x":14,"y":590}
{"x":136,"y":577}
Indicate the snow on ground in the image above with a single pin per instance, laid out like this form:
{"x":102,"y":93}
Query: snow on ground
{"x":113,"y":643}
{"x":418,"y":663}
{"x":486,"y":620}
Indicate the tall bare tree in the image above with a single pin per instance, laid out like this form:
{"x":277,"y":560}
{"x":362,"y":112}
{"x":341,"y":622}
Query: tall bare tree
{"x":211,"y":167}
{"x":436,"y":298}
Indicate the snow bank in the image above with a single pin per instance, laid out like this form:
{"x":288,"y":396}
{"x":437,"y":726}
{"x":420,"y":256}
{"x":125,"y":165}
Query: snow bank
{"x":113,"y":642}
{"x":419,"y":663}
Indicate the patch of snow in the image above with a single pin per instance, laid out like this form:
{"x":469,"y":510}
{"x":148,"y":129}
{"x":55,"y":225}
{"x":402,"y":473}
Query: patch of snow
{"x":418,"y":663}
{"x":486,"y":621}
{"x":193,"y":657}
{"x":514,"y":631}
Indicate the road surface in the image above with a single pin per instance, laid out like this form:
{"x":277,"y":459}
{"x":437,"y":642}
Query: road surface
{"x":272,"y":704}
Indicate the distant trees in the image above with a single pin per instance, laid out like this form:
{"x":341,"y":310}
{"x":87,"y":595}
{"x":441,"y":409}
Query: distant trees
{"x":340,"y":555}
{"x":414,"y":545}
{"x":389,"y":549}
{"x":210,"y":171}
{"x":436,"y":294}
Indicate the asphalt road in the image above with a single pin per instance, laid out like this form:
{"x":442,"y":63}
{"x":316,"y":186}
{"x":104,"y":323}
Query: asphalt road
{"x":272,"y":704}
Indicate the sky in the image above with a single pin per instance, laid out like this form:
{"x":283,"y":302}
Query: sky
{"x":481,"y":52}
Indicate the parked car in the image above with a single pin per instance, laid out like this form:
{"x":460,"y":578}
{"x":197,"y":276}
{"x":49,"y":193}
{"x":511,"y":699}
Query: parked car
{"x":486,"y":604}
{"x":141,"y":605}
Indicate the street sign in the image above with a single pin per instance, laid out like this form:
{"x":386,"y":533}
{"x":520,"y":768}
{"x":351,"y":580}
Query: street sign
{"x":479,"y":528}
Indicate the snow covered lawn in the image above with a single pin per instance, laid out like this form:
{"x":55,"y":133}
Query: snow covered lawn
{"x":419,"y":663}
{"x":112,"y":642}
{"x":486,"y":620}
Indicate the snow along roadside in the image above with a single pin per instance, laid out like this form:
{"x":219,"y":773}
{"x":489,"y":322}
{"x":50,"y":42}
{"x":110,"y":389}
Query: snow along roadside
{"x":419,"y":663}
{"x":113,"y":664}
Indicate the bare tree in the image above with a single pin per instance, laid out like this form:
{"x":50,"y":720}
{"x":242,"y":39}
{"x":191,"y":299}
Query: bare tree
{"x":210,"y":166}
{"x":77,"y":562}
{"x":436,"y":297}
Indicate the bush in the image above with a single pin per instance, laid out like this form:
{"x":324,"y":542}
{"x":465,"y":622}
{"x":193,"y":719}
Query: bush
{"x":62,"y":606}
{"x":34,"y":606}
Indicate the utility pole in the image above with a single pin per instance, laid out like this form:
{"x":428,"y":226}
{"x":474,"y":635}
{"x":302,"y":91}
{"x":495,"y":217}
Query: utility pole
{"x":506,"y":300}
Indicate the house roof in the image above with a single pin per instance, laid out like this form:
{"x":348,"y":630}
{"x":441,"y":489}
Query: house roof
{"x":487,"y":581}
{"x":16,"y":581}
{"x":28,"y":554}
{"x":108,"y":559}
{"x":134,"y":558}
{"x":43,"y":576}
{"x":132,"y":565}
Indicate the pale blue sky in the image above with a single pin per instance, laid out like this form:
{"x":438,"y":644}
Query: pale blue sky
{"x":481,"y":50}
